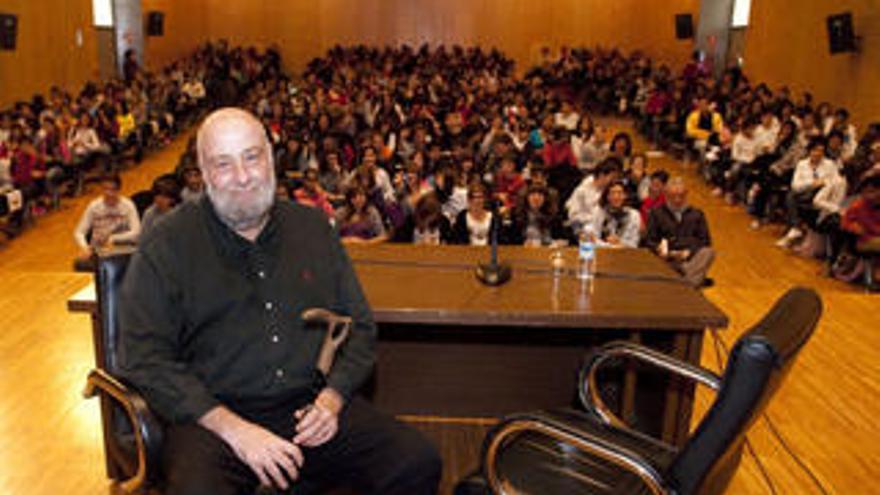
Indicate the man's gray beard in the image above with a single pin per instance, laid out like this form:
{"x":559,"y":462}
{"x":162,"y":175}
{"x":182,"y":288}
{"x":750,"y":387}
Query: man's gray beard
{"x":240,"y":217}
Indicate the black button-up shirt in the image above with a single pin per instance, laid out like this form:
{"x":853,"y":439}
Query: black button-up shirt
{"x":210,"y":318}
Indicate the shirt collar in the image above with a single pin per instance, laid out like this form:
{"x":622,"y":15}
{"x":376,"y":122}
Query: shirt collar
{"x":230,"y":243}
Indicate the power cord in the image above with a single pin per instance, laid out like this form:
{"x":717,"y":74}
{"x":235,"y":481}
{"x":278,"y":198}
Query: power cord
{"x":719,"y":341}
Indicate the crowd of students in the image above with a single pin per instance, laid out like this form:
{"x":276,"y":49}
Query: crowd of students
{"x":443,"y":145}
{"x":783,"y":156}
{"x":50,"y":145}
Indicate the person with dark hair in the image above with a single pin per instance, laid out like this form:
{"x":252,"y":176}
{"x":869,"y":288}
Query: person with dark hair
{"x":770,"y":185}
{"x":107,"y":220}
{"x":130,"y":66}
{"x":583,"y":203}
{"x":702,"y":123}
{"x":621,"y":146}
{"x":656,"y":196}
{"x":535,"y":220}
{"x":473,"y":225}
{"x":358,"y":221}
{"x":508,"y":182}
{"x":615,"y":224}
{"x":637,"y":180}
{"x":587,"y":144}
{"x":193,"y":183}
{"x":810,"y":175}
{"x":166,"y":195}
{"x":427,"y":225}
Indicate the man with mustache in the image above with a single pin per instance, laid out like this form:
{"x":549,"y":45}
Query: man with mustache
{"x":213,"y":338}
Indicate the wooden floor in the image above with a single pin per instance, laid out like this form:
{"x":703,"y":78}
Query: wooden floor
{"x":50,"y":440}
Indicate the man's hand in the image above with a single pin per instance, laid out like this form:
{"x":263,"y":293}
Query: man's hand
{"x":318,"y":423}
{"x":268,"y":455}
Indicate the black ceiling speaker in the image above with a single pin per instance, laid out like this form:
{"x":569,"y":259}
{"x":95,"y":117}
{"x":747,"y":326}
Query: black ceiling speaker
{"x":155,"y":24}
{"x":8,"y":31}
{"x":841,"y":36}
{"x":684,"y":26}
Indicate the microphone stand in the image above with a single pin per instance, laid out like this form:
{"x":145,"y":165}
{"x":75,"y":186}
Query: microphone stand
{"x":493,"y":273}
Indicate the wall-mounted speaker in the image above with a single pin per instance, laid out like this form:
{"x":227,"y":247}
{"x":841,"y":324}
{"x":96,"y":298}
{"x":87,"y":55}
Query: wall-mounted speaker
{"x":8,"y":31}
{"x":841,"y":36}
{"x":155,"y":24}
{"x":684,"y":26}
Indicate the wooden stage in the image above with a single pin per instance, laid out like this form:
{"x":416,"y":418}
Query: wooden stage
{"x":827,"y":410}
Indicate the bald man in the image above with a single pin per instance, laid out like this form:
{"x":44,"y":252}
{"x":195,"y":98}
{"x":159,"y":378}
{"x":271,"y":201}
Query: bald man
{"x":679,"y":234}
{"x":211,"y":335}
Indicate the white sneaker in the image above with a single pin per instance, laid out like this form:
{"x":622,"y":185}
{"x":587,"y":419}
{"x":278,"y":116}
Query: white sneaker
{"x":792,"y":235}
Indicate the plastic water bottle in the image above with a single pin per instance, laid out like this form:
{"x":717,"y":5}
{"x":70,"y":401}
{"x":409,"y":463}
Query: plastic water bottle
{"x":586,"y":253}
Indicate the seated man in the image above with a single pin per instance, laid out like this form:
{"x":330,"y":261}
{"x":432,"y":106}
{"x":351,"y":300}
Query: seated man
{"x":679,"y":234}
{"x":212,"y":335}
{"x":810,"y":175}
{"x":108,"y":220}
{"x":702,"y":123}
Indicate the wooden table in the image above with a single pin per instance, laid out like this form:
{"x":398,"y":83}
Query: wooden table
{"x":452,"y":347}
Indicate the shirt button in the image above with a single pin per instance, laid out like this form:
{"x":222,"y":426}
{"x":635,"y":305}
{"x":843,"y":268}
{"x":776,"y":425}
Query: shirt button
{"x":261,"y":274}
{"x":279,"y":373}
{"x":268,"y":306}
{"x":275,"y":339}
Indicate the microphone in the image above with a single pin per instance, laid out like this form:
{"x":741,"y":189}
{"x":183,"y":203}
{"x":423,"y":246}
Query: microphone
{"x":493,"y":273}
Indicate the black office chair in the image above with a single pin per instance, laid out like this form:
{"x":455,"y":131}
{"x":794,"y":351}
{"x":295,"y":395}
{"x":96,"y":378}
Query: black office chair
{"x":132,"y":433}
{"x":572,"y":452}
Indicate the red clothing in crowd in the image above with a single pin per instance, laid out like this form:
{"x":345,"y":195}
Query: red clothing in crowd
{"x":864,"y":217}
{"x":509,"y":186}
{"x":24,"y":165}
{"x":314,"y":199}
{"x":649,"y":204}
{"x":558,"y":154}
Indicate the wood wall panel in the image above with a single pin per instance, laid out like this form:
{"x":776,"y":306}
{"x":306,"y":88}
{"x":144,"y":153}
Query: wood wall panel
{"x":787,"y":43}
{"x":46,"y":52}
{"x":305,"y":28}
{"x":185,"y":28}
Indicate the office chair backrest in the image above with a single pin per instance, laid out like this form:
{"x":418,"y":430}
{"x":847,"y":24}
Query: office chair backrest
{"x":108,"y":280}
{"x":756,"y":366}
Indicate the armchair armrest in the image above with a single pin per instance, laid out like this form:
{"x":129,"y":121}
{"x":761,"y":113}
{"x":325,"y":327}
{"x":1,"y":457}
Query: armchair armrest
{"x":147,"y":429}
{"x":589,"y":389}
{"x":618,"y":455}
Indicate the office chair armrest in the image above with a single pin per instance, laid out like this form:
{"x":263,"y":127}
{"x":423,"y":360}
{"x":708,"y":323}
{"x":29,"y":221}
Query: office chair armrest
{"x":147,"y":429}
{"x":589,"y":389}
{"x":618,"y":455}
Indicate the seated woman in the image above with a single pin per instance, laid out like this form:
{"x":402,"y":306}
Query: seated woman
{"x":616,"y":224}
{"x":536,"y":220}
{"x":427,"y":224}
{"x":359,"y":221}
{"x":472,"y":226}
